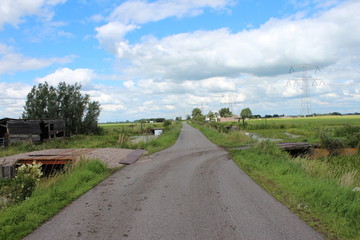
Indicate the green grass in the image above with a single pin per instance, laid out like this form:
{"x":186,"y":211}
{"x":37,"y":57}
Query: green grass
{"x":319,"y":191}
{"x":308,"y":129}
{"x":232,"y":139}
{"x":165,"y":140}
{"x":55,"y":193}
{"x":19,"y":220}
{"x":320,"y":200}
{"x":108,"y":138}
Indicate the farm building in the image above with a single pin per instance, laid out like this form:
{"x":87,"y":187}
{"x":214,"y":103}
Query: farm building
{"x":54,"y":128}
{"x":233,"y":118}
{"x":15,"y":130}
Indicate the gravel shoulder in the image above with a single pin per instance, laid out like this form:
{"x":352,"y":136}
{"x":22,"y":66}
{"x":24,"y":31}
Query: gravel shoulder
{"x":110,"y":156}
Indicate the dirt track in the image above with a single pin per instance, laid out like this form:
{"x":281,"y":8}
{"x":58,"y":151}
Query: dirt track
{"x":189,"y":191}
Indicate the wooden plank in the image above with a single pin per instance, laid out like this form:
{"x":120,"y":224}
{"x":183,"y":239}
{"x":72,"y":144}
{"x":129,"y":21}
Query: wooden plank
{"x":133,"y":156}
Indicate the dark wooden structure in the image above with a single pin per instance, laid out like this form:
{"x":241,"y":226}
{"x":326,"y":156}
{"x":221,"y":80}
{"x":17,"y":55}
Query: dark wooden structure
{"x":52,"y":128}
{"x":29,"y":130}
{"x":7,"y":171}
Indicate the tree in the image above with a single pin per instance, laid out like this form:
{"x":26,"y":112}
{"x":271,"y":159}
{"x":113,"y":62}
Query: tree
{"x":245,"y":113}
{"x":197,"y":115}
{"x":211,"y":116}
{"x":196,"y":112}
{"x":66,"y":102}
{"x":41,"y":102}
{"x":225,"y":112}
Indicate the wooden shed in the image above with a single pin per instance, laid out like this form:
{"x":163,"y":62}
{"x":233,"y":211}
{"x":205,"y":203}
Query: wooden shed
{"x":20,"y":130}
{"x":52,"y":128}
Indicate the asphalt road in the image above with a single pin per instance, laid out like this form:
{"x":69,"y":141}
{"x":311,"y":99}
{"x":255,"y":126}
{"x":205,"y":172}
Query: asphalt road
{"x":192,"y":190}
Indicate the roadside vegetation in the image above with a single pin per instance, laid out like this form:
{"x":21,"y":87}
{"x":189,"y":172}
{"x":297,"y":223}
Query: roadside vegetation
{"x":324,"y":192}
{"x":29,"y":199}
{"x":49,"y":197}
{"x":109,"y":136}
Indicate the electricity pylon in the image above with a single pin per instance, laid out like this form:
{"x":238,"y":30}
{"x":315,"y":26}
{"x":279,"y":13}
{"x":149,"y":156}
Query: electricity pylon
{"x":303,"y":82}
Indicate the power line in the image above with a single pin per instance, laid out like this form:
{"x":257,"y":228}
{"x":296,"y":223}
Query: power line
{"x":304,"y":82}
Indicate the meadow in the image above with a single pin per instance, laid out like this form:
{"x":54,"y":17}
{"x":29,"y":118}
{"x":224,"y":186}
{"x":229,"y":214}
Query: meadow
{"x":324,"y":192}
{"x":308,"y":129}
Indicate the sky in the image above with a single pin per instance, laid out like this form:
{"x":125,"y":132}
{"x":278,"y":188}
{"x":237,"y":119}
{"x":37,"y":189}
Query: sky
{"x":162,"y":58}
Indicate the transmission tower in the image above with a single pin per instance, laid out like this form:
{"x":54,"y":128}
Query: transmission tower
{"x":303,"y":82}
{"x":230,"y":100}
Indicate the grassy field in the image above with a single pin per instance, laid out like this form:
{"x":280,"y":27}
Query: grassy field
{"x":111,"y":135}
{"x":308,"y":129}
{"x":323,"y":192}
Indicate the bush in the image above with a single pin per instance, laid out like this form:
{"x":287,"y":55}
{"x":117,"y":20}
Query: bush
{"x":22,"y":185}
{"x":328,"y":141}
{"x":351,"y":135}
{"x":167,"y":123}
{"x":268,"y":147}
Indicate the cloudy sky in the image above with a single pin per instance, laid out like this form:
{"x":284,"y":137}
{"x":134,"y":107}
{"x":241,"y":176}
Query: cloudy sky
{"x":162,"y":58}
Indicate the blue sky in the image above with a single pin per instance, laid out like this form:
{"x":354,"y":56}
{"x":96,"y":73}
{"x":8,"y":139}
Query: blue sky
{"x":143,"y":59}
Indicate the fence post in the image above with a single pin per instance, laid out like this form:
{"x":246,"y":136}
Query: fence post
{"x":1,"y":171}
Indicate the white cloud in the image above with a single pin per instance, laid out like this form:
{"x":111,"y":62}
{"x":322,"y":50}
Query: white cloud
{"x":70,"y":76}
{"x":268,"y":50}
{"x":12,"y":99}
{"x":140,"y":12}
{"x":14,"y":62}
{"x":130,"y":14}
{"x":12,"y":11}
{"x":112,"y":33}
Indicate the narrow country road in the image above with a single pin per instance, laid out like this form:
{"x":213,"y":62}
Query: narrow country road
{"x":189,"y":191}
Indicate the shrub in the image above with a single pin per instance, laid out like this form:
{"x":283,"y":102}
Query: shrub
{"x":270,"y":148}
{"x":22,"y":185}
{"x":167,"y":123}
{"x":328,"y":141}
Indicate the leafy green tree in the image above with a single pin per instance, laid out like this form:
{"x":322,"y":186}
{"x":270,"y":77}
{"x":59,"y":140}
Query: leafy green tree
{"x":178,"y":119}
{"x":245,"y":113}
{"x":41,"y":102}
{"x":196,"y":112}
{"x":66,"y":102}
{"x":211,"y":116}
{"x":91,"y":118}
{"x":225,"y":112}
{"x":197,"y":115}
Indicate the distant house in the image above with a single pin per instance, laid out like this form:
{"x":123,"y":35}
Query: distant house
{"x":20,"y":130}
{"x":233,"y":118}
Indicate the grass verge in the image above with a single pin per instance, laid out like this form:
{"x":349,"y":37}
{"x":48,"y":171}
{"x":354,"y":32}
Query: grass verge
{"x":165,"y":140}
{"x":321,"y":200}
{"x":231,"y":139}
{"x":47,"y":199}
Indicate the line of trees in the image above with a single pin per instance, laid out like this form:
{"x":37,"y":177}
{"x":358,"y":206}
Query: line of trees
{"x":63,"y":102}
{"x":196,"y":114}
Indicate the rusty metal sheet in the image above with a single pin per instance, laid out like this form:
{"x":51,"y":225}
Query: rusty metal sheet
{"x":46,"y":159}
